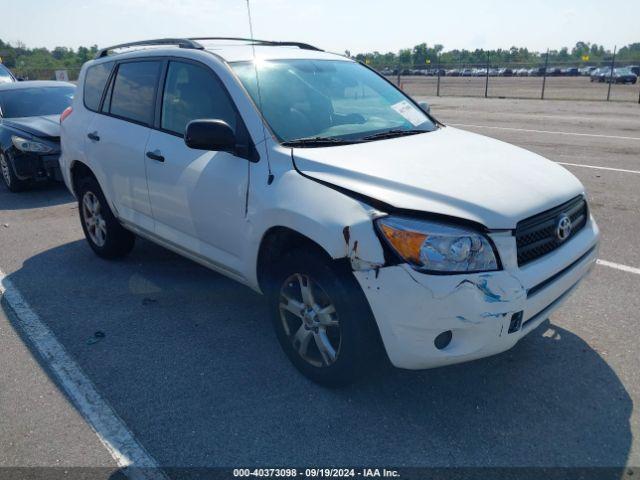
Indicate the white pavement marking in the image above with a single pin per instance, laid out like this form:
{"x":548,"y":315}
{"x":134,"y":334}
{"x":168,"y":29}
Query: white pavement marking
{"x":618,"y":266}
{"x":599,"y":168}
{"x":545,"y":131}
{"x":108,"y":426}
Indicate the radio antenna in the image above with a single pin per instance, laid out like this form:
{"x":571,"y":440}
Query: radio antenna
{"x":255,"y":67}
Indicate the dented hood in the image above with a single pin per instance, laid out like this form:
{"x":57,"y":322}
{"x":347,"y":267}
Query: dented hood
{"x":47,"y":126}
{"x":448,"y":171}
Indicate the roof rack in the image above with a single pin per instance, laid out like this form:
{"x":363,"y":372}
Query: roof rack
{"x":180,"y":42}
{"x":272,"y":43}
{"x":193,"y":43}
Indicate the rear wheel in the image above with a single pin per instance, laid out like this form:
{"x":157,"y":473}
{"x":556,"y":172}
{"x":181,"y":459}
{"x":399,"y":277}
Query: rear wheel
{"x":322,"y":319}
{"x":13,"y":183}
{"x":103,"y":231}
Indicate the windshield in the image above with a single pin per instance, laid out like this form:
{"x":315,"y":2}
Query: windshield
{"x":5,"y":76}
{"x":33,"y":102}
{"x":328,"y":99}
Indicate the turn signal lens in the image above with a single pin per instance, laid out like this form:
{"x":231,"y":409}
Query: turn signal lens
{"x":406,"y":243}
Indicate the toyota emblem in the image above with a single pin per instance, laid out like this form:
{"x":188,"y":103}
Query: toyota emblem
{"x":563,"y":227}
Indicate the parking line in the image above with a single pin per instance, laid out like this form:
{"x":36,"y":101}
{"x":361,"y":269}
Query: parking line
{"x":599,"y":168}
{"x":136,"y":463}
{"x":545,"y":131}
{"x":618,"y":266}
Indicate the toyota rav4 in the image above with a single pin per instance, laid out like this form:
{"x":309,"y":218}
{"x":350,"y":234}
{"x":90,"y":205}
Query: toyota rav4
{"x":370,"y":226}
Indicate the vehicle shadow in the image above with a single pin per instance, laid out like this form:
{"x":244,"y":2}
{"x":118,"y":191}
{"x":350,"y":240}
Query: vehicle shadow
{"x":189,"y":361}
{"x":39,"y":195}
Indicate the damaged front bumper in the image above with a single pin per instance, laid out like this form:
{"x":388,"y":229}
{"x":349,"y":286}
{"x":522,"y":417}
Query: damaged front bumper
{"x":28,"y":166}
{"x":486,"y":313}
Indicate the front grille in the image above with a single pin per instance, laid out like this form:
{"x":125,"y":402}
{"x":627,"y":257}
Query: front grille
{"x":536,"y":236}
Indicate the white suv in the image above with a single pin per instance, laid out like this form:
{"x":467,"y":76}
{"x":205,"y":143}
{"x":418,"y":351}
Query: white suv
{"x":370,"y":226}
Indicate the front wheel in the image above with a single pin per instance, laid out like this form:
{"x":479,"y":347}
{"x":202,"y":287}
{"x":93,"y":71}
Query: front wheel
{"x":322,"y":319}
{"x":13,"y":183}
{"x":106,"y":237}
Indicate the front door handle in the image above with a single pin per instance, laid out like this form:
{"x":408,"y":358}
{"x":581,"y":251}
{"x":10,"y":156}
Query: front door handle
{"x":93,"y":136}
{"x":155,"y":156}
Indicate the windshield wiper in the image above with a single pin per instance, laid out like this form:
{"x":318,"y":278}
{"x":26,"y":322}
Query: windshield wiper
{"x":393,"y":133}
{"x":318,"y":142}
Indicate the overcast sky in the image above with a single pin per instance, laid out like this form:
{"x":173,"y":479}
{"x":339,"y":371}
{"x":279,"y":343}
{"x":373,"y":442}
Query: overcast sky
{"x":335,"y":25}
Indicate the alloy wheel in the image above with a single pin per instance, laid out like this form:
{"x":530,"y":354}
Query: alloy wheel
{"x":93,"y":219}
{"x":310,"y":320}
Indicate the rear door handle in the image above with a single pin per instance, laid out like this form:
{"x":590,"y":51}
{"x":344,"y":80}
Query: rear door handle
{"x":155,"y":156}
{"x":94,"y":136}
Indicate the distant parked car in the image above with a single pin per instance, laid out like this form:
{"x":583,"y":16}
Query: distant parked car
{"x":571,"y":72}
{"x":554,"y":72}
{"x":505,"y":72}
{"x":594,"y":74}
{"x":30,"y":130}
{"x":6,"y":76}
{"x":622,"y":75}
{"x":635,"y":69}
{"x":601,"y":74}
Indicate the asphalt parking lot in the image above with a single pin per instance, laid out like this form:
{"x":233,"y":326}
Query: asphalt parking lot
{"x":190,"y":365}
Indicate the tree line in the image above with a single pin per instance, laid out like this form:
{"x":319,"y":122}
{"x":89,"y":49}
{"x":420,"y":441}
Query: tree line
{"x":21,"y":58}
{"x":423,"y":54}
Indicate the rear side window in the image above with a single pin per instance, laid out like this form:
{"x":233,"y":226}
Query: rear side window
{"x":193,"y":92}
{"x":94,"y":82}
{"x":134,"y":91}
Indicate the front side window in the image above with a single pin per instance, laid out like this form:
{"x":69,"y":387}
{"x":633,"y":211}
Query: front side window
{"x":192,"y":92}
{"x":134,"y":91}
{"x":94,"y":82}
{"x":36,"y":101}
{"x":332,"y":99}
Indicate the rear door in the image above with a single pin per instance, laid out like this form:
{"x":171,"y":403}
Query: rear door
{"x":198,"y":197}
{"x":117,"y":137}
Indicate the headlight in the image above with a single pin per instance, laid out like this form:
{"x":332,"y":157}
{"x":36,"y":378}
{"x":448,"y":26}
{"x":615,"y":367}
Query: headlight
{"x":438,"y":247}
{"x":27,"y":145}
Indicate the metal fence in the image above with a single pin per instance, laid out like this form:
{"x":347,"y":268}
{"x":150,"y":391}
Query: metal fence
{"x":45,"y":73}
{"x":607,"y":81}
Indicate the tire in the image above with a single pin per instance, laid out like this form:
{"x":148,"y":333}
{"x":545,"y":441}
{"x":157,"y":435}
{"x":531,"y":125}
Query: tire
{"x":107,"y":238}
{"x":12,"y":182}
{"x":348,"y":328}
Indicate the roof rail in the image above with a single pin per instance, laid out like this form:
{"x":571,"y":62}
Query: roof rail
{"x":304,"y":46}
{"x":180,"y":42}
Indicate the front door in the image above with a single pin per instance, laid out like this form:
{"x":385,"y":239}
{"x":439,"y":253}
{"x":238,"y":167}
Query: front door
{"x":198,"y":197}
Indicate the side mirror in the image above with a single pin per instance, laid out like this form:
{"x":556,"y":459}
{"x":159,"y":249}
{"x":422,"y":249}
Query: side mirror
{"x":425,"y":106}
{"x":214,"y":135}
